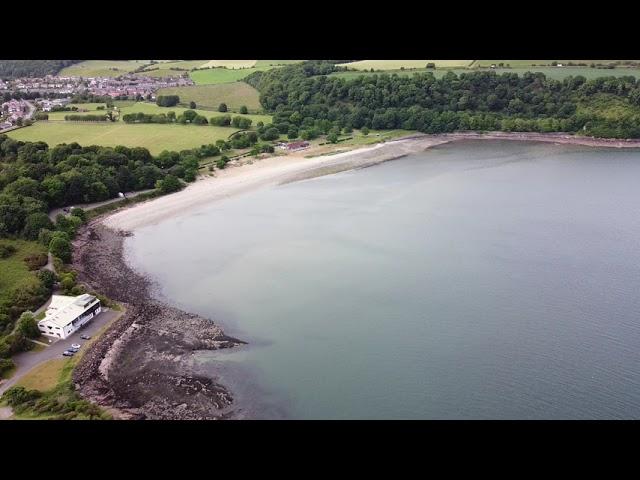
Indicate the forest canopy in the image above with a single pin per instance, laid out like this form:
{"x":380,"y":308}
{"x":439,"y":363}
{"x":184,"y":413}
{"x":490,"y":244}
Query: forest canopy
{"x":301,"y":95}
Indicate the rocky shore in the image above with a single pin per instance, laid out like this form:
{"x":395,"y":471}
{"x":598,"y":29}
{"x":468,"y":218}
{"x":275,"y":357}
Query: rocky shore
{"x":141,"y":367}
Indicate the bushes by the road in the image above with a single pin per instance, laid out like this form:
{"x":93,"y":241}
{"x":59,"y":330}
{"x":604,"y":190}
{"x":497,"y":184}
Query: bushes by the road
{"x":27,"y":325}
{"x":6,"y":365}
{"x":169,"y":184}
{"x":60,"y":403}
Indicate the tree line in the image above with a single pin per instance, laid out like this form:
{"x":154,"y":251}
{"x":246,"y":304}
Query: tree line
{"x":304,"y":98}
{"x":32,"y":68}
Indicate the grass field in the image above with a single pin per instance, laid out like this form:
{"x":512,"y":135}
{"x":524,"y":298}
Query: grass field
{"x":272,"y":63}
{"x":397,"y":64}
{"x":229,"y":63}
{"x":528,"y":63}
{"x":13,"y":271}
{"x":234,"y":94}
{"x":154,"y":137}
{"x":551,"y":72}
{"x":213,"y":76}
{"x":45,"y":376}
{"x":101,"y":68}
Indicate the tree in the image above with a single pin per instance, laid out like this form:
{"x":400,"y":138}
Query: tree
{"x":61,"y":248}
{"x":192,"y":104}
{"x":34,"y":223}
{"x":364,"y":131}
{"x":28,"y":326}
{"x":332,"y":137}
{"x":222,"y":107}
{"x":168,"y":184}
{"x":244,"y":110}
{"x":167,"y":100}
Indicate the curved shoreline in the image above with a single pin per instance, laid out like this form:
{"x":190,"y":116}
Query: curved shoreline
{"x":285,"y":169}
{"x":152,"y":342}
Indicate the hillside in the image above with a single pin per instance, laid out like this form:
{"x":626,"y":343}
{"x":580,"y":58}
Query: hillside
{"x":32,"y":68}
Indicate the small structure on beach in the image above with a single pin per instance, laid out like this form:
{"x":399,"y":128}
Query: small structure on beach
{"x":67,"y":314}
{"x":293,"y":146}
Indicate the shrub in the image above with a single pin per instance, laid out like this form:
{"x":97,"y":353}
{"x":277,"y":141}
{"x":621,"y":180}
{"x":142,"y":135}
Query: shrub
{"x":222,"y":107}
{"x":244,"y":110}
{"x":47,"y":278}
{"x":6,"y":365}
{"x":7,"y":250}
{"x":80,"y":213}
{"x":36,"y":261}
{"x":221,"y":163}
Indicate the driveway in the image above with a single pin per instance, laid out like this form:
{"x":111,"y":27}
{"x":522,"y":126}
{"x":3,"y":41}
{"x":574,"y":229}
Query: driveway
{"x":25,"y":361}
{"x":90,"y":206}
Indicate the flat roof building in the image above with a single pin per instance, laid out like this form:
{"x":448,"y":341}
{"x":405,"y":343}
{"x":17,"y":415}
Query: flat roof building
{"x":66,"y":314}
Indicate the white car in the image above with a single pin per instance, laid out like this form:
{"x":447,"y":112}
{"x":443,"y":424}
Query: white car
{"x":75,"y":345}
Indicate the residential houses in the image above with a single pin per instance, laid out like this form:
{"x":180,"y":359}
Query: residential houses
{"x":14,"y":109}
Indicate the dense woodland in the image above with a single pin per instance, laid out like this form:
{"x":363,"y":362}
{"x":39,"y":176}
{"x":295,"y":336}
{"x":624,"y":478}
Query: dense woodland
{"x":32,"y":68}
{"x":302,"y":95}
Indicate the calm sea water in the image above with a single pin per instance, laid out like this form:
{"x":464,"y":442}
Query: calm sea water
{"x":477,"y":280}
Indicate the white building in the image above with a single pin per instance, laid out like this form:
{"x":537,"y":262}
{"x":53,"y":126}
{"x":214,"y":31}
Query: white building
{"x":65,"y":314}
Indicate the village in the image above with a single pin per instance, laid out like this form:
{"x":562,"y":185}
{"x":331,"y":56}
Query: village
{"x":16,"y":109}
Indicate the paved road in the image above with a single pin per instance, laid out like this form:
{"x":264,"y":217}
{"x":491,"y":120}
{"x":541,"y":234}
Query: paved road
{"x":25,"y":361}
{"x":90,"y":206}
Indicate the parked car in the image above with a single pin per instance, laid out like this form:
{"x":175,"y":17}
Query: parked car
{"x":74,"y":350}
{"x":76,"y":345}
{"x":85,"y":337}
{"x":68,"y":353}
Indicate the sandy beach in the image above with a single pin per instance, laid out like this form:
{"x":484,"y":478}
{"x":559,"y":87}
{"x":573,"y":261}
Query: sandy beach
{"x":293,"y":167}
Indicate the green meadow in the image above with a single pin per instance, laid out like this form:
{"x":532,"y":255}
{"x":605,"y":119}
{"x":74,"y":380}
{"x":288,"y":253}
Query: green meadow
{"x":398,"y":64}
{"x":101,"y":68}
{"x":212,"y":76}
{"x":15,"y":273}
{"x":234,"y":94}
{"x":154,"y":137}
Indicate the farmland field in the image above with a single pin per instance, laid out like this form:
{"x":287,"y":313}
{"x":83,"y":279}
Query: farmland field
{"x":154,"y":137}
{"x":528,"y":63}
{"x":101,"y":68}
{"x":229,"y":63}
{"x":234,"y":94}
{"x":557,"y":73}
{"x":222,"y":75}
{"x":268,"y":63}
{"x":397,"y":64}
